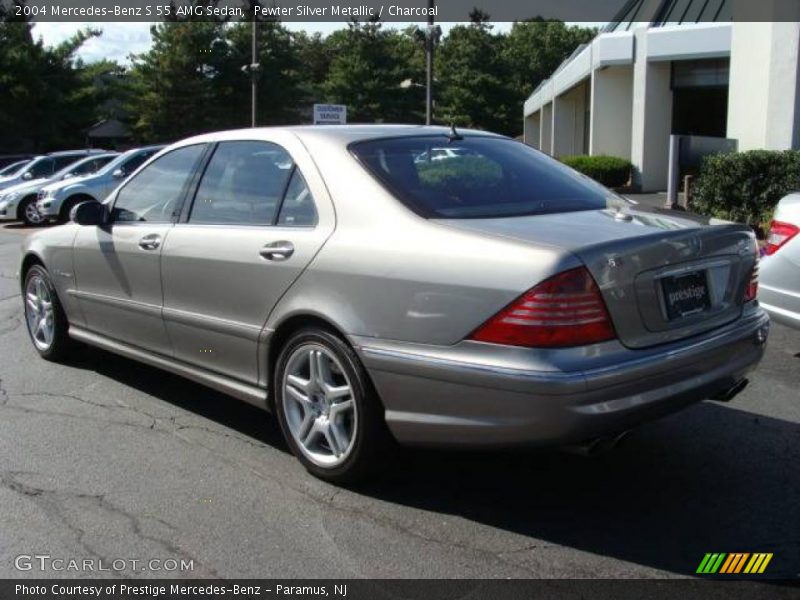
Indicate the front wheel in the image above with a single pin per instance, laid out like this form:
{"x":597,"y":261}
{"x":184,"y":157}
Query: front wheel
{"x":328,"y":410}
{"x":45,"y":318}
{"x":30,"y":214}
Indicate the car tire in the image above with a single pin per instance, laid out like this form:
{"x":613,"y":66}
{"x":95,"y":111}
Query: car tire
{"x":42,"y":305}
{"x":29,"y":213}
{"x":339,"y":436}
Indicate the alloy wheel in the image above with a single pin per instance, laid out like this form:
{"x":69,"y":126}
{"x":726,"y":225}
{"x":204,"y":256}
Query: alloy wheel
{"x":39,"y":313}
{"x":319,"y":406}
{"x":32,"y":214}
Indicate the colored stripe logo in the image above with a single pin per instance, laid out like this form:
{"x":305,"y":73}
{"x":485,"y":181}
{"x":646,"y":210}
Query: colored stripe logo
{"x":734,"y":563}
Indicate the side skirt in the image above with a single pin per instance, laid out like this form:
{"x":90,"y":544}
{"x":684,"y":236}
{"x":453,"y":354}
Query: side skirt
{"x":247,"y":393}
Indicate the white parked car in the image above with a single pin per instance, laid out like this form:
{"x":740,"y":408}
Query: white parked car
{"x":18,"y":202}
{"x":55,"y":201}
{"x":779,"y":286}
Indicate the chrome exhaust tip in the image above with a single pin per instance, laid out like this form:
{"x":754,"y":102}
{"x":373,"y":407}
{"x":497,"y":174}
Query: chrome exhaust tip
{"x":598,"y":445}
{"x":728,"y":394}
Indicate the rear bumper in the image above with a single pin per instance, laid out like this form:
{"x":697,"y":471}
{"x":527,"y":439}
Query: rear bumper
{"x":464,"y":396}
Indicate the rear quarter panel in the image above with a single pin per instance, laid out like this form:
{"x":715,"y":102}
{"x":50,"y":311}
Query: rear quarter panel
{"x":387,"y":273}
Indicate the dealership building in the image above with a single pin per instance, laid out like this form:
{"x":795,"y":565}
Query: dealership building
{"x":682,"y":67}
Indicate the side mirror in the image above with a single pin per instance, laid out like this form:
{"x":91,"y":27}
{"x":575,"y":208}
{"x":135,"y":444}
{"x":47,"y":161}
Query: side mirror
{"x":118,"y":174}
{"x":89,"y":213}
{"x":28,"y":175}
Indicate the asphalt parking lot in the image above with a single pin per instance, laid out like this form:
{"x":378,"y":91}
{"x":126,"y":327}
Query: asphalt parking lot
{"x":105,"y":458}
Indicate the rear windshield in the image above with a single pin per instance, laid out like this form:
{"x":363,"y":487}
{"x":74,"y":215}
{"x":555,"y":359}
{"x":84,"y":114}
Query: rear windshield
{"x":478,"y":177}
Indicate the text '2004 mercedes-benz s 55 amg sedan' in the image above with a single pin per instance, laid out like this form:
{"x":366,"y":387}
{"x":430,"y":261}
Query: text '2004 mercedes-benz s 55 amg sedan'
{"x":366,"y":293}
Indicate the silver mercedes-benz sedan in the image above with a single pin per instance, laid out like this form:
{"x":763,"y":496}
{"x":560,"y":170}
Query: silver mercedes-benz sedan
{"x":367,"y":294}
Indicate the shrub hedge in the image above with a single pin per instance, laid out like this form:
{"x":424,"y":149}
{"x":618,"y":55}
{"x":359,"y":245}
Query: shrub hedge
{"x":611,"y":171}
{"x":746,"y":186}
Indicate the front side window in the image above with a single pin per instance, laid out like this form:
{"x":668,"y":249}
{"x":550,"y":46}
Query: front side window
{"x":478,"y":177}
{"x":243,"y":184}
{"x":155,"y":192}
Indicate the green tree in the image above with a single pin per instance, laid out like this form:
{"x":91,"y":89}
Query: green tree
{"x":368,"y":65}
{"x":472,"y":88}
{"x":177,"y":87}
{"x":45,"y":100}
{"x":535,"y":48}
{"x":281,"y":93}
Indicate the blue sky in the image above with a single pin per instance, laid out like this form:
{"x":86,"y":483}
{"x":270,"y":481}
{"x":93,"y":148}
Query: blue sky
{"x":119,"y":40}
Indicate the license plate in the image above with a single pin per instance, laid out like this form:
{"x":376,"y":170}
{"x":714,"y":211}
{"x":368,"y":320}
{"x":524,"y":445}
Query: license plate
{"x":686,"y":295}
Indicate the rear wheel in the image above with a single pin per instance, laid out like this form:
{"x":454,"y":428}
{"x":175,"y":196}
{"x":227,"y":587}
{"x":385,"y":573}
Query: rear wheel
{"x":45,"y":318}
{"x":329,"y":413}
{"x":29,"y":213}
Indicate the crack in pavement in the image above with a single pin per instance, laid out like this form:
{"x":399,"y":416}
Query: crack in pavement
{"x":53,"y":503}
{"x":327,"y":500}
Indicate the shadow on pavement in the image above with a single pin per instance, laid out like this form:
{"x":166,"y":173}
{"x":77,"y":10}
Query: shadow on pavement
{"x":178,"y":391}
{"x":712,"y":478}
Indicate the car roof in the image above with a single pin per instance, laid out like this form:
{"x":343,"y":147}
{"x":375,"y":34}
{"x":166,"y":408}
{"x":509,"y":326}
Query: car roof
{"x":86,"y":151}
{"x":343,"y":134}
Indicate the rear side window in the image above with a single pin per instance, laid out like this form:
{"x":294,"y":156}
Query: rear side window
{"x":298,"y":208}
{"x":478,"y":177}
{"x":243,"y":184}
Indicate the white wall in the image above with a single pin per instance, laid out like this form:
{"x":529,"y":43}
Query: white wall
{"x":764,"y":93}
{"x":652,"y":119}
{"x":569,"y":119}
{"x":532,"y":132}
{"x":546,"y":144}
{"x":612,"y":112}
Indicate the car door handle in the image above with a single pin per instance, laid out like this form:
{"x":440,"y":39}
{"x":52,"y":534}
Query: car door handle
{"x":277,"y":250}
{"x":150,"y":242}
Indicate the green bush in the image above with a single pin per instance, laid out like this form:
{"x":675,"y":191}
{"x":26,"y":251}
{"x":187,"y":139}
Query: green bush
{"x":611,"y":171}
{"x":746,"y":186}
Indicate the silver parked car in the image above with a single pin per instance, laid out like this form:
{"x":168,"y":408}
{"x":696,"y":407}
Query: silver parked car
{"x":11,"y":169}
{"x":56,"y":200}
{"x":496,"y":298}
{"x":18,"y":202}
{"x":42,"y":167}
{"x":780,"y":267}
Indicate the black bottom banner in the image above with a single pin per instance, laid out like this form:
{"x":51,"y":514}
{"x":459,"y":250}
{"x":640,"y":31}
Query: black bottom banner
{"x":410,"y":589}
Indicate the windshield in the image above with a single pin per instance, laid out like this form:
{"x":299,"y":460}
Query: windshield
{"x":478,"y":177}
{"x":13,"y":169}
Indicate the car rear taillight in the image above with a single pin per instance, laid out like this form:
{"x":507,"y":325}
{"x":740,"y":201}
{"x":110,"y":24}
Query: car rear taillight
{"x":779,"y":234}
{"x":751,"y":291}
{"x":565,"y":310}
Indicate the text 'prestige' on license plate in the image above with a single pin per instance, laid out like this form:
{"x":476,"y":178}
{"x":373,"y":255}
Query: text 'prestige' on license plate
{"x":686,"y":295}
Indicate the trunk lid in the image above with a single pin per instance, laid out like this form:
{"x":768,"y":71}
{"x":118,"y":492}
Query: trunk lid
{"x":663,"y":276}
